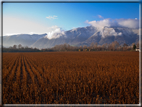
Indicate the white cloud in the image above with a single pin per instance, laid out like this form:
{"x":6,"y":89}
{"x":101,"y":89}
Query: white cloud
{"x":52,"y":17}
{"x":52,"y":34}
{"x":100,"y":16}
{"x":14,"y":26}
{"x":130,"y":23}
{"x":100,"y":24}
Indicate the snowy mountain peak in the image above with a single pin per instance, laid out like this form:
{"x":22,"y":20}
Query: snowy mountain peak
{"x":76,"y":37}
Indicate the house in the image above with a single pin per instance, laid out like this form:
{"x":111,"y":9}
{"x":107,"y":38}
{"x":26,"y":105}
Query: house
{"x":137,"y":49}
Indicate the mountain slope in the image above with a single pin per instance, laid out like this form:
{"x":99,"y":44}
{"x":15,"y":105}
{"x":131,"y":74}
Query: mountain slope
{"x":76,"y":37}
{"x":23,"y":39}
{"x":87,"y":35}
{"x":72,"y":37}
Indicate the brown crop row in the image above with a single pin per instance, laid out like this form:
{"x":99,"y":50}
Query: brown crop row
{"x":71,"y":78}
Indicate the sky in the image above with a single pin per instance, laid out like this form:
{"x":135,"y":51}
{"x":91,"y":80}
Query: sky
{"x":39,"y":18}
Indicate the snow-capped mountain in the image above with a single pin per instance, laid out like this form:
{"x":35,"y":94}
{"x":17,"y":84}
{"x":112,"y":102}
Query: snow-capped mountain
{"x":110,"y":34}
{"x":87,"y":35}
{"x":77,"y":37}
{"x":72,"y":37}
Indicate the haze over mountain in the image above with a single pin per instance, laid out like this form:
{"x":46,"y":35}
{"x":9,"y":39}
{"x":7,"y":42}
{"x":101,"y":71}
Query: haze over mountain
{"x":23,"y":39}
{"x":76,"y":37}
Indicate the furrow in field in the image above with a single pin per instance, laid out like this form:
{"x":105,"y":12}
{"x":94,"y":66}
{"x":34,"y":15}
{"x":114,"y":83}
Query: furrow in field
{"x":42,"y":83}
{"x":24,"y":76}
{"x":35,"y":85}
{"x":24,"y":89}
{"x":18,"y":72}
{"x":21,"y":64}
{"x":6,"y":71}
{"x":7,"y":60}
{"x":37,"y":69}
{"x":32,"y":72}
{"x":12,"y":59}
{"x":11,"y":74}
{"x":30,"y":75}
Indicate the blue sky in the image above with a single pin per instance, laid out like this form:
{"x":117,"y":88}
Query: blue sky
{"x":47,"y":17}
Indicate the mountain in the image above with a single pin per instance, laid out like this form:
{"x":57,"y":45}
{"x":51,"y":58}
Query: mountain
{"x":23,"y":39}
{"x":72,"y":37}
{"x":87,"y":35}
{"x":76,"y":37}
{"x":108,"y":35}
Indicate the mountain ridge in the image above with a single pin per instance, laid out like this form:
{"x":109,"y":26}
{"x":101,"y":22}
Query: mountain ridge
{"x":77,"y":37}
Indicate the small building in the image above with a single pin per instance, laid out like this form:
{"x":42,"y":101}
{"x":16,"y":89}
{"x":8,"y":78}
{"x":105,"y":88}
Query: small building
{"x":137,"y":49}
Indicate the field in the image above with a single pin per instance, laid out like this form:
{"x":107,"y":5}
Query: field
{"x":70,"y":78}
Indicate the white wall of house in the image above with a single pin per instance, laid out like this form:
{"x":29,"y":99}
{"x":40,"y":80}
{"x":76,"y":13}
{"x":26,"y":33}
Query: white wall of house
{"x":138,"y":50}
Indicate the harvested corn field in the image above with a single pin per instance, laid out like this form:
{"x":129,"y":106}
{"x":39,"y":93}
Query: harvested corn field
{"x":70,"y":78}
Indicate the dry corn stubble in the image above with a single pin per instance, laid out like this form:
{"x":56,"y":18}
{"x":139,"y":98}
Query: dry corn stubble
{"x":71,"y":78}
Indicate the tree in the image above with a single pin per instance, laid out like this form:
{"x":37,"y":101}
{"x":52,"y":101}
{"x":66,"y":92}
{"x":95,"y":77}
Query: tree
{"x":85,"y":47}
{"x":125,"y":46}
{"x":14,"y":46}
{"x":110,"y":47}
{"x":104,"y":46}
{"x":19,"y":46}
{"x":120,"y":48}
{"x":115,"y":45}
{"x":134,"y":46}
{"x":10,"y":47}
{"x":81,"y":48}
{"x":92,"y":45}
{"x":95,"y":45}
{"x":26,"y":47}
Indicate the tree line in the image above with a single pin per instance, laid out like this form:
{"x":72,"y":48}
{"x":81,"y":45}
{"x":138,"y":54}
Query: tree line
{"x":19,"y":48}
{"x":114,"y":46}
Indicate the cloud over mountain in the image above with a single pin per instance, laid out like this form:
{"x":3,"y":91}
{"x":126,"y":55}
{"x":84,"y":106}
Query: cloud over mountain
{"x":76,"y":37}
{"x":15,"y":26}
{"x":54,"y":29}
{"x":130,"y":23}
